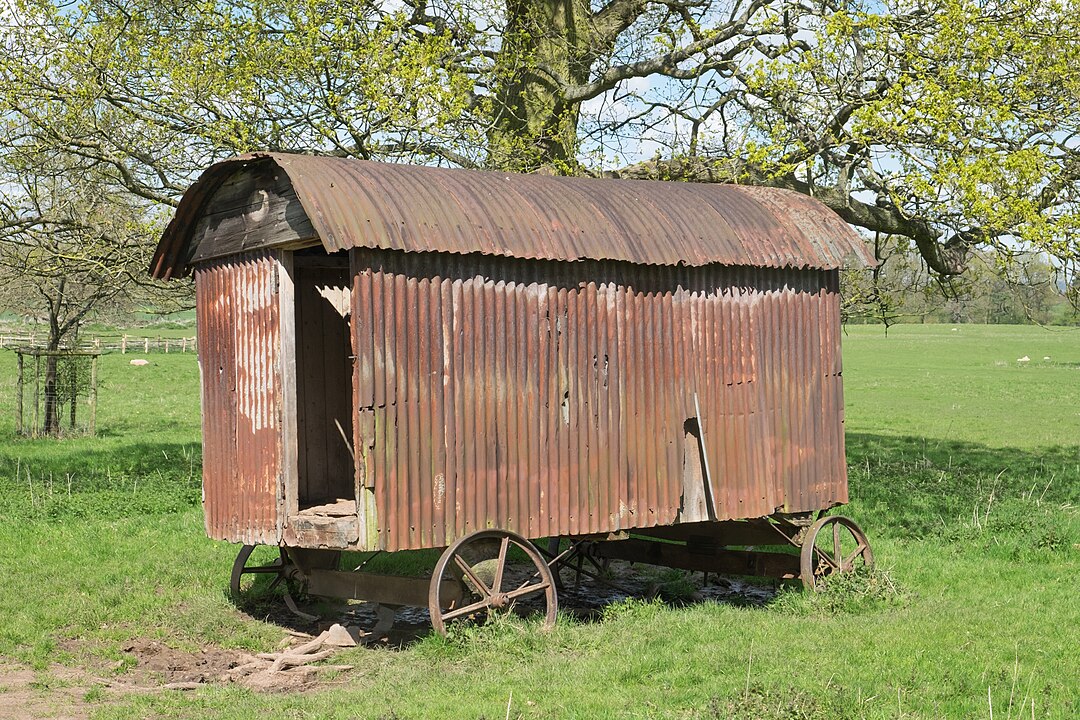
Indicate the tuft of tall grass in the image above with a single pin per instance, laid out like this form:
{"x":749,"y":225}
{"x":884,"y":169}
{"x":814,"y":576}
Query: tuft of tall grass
{"x":859,"y":592}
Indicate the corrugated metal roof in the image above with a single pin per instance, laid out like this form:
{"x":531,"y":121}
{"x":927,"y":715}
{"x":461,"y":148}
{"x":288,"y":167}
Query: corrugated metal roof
{"x":355,"y":203}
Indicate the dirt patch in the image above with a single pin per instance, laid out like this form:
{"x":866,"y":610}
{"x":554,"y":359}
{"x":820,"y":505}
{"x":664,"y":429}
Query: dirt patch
{"x":160,"y":665}
{"x":57,"y":694}
{"x":72,"y":693}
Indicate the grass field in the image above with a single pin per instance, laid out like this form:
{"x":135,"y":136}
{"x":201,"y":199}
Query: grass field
{"x":964,"y":470}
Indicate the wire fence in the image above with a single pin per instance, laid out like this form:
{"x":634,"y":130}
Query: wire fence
{"x":122,"y":343}
{"x":56,"y":392}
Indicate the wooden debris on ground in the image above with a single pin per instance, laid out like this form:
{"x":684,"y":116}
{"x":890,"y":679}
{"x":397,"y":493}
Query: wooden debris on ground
{"x":292,"y":665}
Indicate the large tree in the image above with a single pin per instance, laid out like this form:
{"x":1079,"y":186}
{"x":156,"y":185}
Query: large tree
{"x":955,"y":123}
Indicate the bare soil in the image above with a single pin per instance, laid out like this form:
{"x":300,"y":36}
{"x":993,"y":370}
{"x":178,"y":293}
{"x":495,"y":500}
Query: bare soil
{"x":161,"y":665}
{"x":58,"y":693}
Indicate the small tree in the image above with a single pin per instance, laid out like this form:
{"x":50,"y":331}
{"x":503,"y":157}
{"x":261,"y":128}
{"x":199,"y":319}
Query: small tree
{"x":71,"y":381}
{"x":68,"y":247}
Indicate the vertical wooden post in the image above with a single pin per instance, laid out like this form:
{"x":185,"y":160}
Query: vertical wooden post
{"x":74,"y":363}
{"x":37,"y":392}
{"x":290,"y":451}
{"x":123,"y":344}
{"x":92,"y":397}
{"x":183,"y":346}
{"x":19,"y":392}
{"x":146,"y":345}
{"x":166,"y":346}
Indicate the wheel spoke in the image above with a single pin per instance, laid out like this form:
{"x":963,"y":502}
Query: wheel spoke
{"x":482,"y":588}
{"x":472,"y":556}
{"x":849,"y":562}
{"x":500,"y":567}
{"x":466,"y":610}
{"x":526,"y":590}
{"x":262,"y":569}
{"x":534,"y":576}
{"x":825,"y":556}
{"x":817,"y":560}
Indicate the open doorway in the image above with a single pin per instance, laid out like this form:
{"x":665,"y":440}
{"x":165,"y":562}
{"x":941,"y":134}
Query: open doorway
{"x":324,"y":383}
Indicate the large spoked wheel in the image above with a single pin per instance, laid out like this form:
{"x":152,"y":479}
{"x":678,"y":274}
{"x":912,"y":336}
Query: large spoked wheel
{"x":481,"y":565}
{"x":834,"y":544}
{"x":241,"y":568}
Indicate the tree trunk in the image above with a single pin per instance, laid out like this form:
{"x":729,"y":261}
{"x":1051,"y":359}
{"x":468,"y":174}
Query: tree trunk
{"x":546,"y":47}
{"x":51,"y":425}
{"x":52,"y":406}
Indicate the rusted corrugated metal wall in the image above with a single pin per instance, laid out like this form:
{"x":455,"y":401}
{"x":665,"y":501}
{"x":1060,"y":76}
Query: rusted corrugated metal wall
{"x":551,"y":398}
{"x":239,"y":348}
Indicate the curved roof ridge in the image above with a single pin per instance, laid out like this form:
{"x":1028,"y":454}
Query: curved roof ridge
{"x":357,"y":203}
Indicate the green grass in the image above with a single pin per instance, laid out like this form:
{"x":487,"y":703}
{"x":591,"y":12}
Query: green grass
{"x":964,"y":470}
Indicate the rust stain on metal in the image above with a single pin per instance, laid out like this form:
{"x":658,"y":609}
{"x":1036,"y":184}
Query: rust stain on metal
{"x":354,"y":204}
{"x":552,"y":398}
{"x":238,"y":322}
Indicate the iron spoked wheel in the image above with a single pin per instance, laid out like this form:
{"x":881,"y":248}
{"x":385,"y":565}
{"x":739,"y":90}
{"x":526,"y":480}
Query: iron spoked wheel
{"x":834,"y":544}
{"x":241,"y":568}
{"x":480,"y":564}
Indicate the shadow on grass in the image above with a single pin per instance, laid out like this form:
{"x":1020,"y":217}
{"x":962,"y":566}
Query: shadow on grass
{"x":592,"y":603}
{"x":915,"y":488}
{"x":977,"y":499}
{"x":85,"y":478}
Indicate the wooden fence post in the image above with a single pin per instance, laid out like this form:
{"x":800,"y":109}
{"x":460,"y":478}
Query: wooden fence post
{"x":92,"y":399}
{"x":19,"y":392}
{"x":123,"y":344}
{"x":37,"y":394}
{"x":146,"y":345}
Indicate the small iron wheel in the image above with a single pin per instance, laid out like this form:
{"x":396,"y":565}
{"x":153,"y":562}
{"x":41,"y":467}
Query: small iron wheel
{"x":479,"y":563}
{"x":241,"y":568}
{"x":834,"y":544}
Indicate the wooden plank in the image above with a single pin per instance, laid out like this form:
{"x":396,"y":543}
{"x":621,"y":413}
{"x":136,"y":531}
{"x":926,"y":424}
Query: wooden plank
{"x":389,"y":589}
{"x":255,"y":208}
{"x":726,"y":532}
{"x":287,"y":357}
{"x":311,"y":393}
{"x":322,"y":531}
{"x":733,"y":562}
